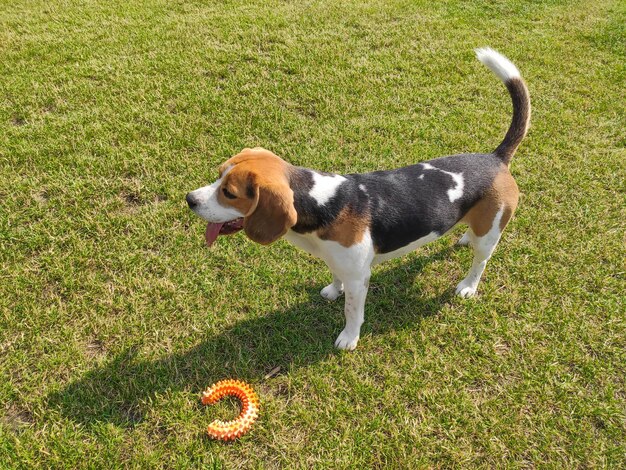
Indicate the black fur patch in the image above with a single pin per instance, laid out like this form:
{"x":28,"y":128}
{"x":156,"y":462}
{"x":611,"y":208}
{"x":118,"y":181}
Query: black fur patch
{"x":519,"y":121}
{"x":405,"y":207}
{"x":312,"y":216}
{"x":402,"y":206}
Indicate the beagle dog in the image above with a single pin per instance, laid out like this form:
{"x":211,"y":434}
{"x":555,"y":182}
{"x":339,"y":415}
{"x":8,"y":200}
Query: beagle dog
{"x":355,"y":221}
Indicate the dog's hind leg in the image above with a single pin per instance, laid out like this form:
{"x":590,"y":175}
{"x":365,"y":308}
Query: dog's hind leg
{"x":333,"y":290}
{"x":486,"y":221}
{"x":466,"y":238}
{"x":483,"y":248}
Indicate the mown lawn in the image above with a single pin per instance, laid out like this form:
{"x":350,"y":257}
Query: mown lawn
{"x":114,"y":316}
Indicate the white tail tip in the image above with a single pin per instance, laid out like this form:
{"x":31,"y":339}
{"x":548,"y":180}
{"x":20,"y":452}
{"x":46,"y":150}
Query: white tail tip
{"x":500,"y":65}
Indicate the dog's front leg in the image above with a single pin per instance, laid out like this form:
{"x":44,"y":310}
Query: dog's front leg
{"x":356,"y":291}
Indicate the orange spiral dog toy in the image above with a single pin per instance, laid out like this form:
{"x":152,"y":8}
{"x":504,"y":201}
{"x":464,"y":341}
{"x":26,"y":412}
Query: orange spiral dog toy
{"x":231,"y":430}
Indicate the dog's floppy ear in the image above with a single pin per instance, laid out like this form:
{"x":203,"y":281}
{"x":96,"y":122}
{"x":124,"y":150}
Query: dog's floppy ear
{"x":274,"y":213}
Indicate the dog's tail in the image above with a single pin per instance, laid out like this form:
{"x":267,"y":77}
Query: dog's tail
{"x":508,"y":73}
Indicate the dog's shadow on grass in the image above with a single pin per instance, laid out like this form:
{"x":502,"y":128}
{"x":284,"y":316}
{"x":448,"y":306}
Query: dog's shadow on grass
{"x":303,"y":334}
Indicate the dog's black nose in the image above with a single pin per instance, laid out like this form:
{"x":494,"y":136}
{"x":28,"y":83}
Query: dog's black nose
{"x":191,"y":201}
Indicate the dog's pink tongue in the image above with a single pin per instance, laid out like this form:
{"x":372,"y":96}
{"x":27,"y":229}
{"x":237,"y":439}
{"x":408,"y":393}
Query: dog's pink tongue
{"x":212,"y":231}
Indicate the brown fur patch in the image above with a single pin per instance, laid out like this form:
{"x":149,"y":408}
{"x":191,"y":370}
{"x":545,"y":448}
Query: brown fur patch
{"x":347,"y":229}
{"x":503,"y":192}
{"x":237,"y":183}
{"x":259,"y":180}
{"x":258,"y":155}
{"x":251,"y":168}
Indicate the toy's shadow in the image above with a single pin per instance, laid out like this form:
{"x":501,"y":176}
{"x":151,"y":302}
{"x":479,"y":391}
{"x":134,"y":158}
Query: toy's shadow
{"x":297,"y":336}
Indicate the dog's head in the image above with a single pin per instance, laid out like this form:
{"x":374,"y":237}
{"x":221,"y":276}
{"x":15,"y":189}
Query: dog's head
{"x":252,"y":193}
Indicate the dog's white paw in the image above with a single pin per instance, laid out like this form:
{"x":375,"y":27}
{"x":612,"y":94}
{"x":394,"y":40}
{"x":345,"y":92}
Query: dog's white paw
{"x":465,"y":290}
{"x":347,"y":341}
{"x":330,"y":292}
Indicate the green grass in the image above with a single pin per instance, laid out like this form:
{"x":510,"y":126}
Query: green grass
{"x":114,"y":317}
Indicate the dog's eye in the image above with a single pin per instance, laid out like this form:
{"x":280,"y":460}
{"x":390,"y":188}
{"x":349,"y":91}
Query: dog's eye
{"x":228,"y":194}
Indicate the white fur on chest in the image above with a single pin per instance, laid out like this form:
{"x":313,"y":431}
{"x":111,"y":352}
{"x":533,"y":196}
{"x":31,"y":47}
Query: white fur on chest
{"x":305,"y":241}
{"x":359,"y":256}
{"x":343,"y":261}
